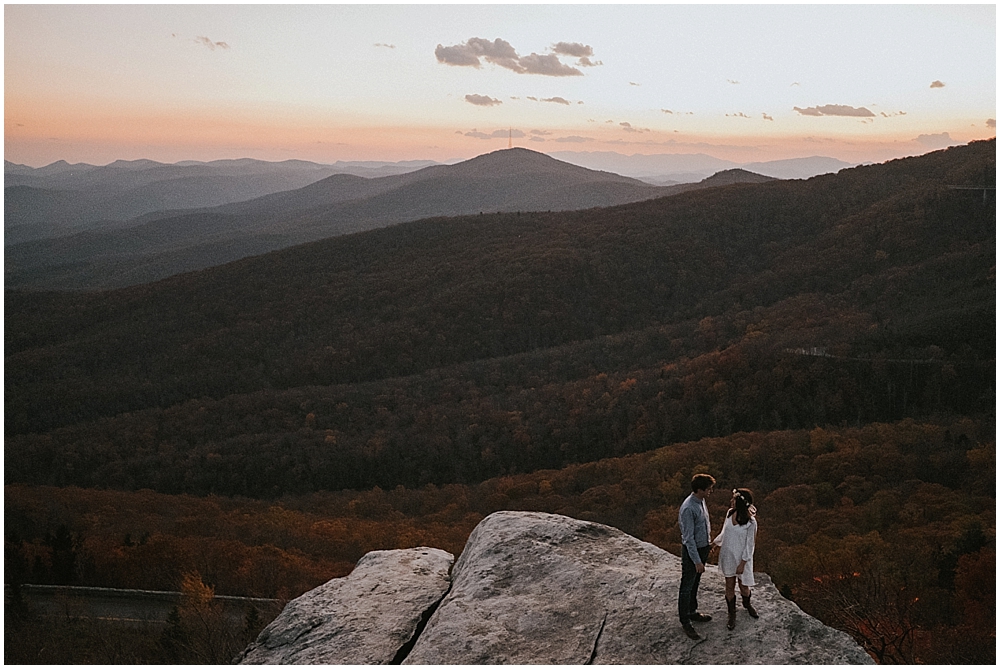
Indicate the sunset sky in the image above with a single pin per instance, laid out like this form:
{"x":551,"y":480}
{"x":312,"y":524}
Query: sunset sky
{"x":444,"y":82}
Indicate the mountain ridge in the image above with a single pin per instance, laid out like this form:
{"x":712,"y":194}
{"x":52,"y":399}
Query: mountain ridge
{"x":505,"y":180}
{"x":855,"y":236}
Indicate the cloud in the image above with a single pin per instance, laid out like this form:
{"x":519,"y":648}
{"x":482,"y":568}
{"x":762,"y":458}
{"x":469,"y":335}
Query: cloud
{"x":794,"y":83}
{"x":632,"y":83}
{"x":732,"y":82}
{"x":666,"y":111}
{"x":540,"y":132}
{"x":582,"y":52}
{"x":738,"y":115}
{"x":628,"y":127}
{"x":557,"y":100}
{"x":532,"y":97}
{"x":387,"y":46}
{"x":767,"y":118}
{"x":482,"y":100}
{"x":492,"y":135}
{"x":548,"y":65}
{"x":890,"y":115}
{"x":937,"y":84}
{"x":209,"y":44}
{"x":500,"y":52}
{"x":835,"y":110}
{"x":938,"y":141}
{"x":575,"y":139}
{"x":536,"y":139}
{"x":574,"y":49}
{"x":991,"y":123}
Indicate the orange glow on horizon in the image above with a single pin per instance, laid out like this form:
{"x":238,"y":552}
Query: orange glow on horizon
{"x":41,"y":133}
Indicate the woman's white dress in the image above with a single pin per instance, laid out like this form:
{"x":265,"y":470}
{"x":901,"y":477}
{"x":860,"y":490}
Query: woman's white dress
{"x":736,"y":543}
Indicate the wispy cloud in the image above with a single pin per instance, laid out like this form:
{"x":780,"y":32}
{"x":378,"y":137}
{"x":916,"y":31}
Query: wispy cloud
{"x":738,"y":115}
{"x":540,"y":132}
{"x":991,"y":123}
{"x":493,"y":135}
{"x":387,"y":46}
{"x":767,"y":118}
{"x":835,"y":110}
{"x":891,"y":114}
{"x":557,"y":100}
{"x":632,"y":83}
{"x":937,"y":141}
{"x":574,"y":139}
{"x":628,"y":127}
{"x":937,"y":84}
{"x":502,"y":53}
{"x":536,"y":139}
{"x":666,"y":111}
{"x":732,"y":81}
{"x":482,"y":100}
{"x":209,"y":44}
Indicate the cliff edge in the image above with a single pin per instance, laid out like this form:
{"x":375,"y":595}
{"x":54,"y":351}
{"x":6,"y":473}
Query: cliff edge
{"x":537,"y":588}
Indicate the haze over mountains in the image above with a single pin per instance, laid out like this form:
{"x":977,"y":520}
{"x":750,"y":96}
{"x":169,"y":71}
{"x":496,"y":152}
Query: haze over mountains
{"x":667,"y":168}
{"x":61,"y":198}
{"x":161,"y":244}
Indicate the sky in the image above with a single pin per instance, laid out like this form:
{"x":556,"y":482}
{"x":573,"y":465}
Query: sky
{"x":746,"y":82}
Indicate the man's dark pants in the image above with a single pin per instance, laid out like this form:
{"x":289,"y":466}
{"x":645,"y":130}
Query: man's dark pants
{"x":687,"y":602}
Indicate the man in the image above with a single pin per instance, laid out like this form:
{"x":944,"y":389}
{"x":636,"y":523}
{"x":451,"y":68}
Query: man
{"x":695,"y":533}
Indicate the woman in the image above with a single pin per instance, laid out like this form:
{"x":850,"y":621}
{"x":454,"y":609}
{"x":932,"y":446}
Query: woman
{"x":736,"y":541}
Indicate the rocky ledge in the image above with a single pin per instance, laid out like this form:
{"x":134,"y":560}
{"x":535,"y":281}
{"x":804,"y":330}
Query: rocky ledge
{"x":537,"y":588}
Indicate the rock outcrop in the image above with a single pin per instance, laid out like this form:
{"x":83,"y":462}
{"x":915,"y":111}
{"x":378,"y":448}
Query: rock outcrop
{"x":371,"y":616}
{"x":534,"y":588}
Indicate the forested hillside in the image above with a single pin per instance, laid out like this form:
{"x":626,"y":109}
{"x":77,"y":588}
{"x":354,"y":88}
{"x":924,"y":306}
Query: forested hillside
{"x":165,"y":243}
{"x":884,"y":531}
{"x":875,"y":262}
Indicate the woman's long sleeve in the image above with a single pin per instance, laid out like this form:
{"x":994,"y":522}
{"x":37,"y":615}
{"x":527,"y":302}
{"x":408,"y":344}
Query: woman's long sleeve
{"x":751,"y":539}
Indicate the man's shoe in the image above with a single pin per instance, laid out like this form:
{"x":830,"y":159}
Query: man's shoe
{"x":700,"y":618}
{"x":690,"y":631}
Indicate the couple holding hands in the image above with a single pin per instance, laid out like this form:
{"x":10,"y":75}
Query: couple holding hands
{"x":736,"y":544}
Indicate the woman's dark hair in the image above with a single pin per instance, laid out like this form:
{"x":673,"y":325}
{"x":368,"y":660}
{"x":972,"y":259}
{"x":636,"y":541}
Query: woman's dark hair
{"x":744,"y":501}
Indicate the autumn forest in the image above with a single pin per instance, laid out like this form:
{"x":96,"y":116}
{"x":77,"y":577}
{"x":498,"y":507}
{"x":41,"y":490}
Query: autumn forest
{"x":254,"y":428}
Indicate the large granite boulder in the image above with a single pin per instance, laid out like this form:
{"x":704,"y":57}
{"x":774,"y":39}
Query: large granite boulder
{"x":371,"y":616}
{"x":536,"y":588}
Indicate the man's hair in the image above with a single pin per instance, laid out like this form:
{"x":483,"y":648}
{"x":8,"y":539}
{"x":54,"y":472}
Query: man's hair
{"x":701,"y":482}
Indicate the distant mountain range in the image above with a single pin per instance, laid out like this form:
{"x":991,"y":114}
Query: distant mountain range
{"x":666,"y":168}
{"x":161,"y":244}
{"x":64,"y":198}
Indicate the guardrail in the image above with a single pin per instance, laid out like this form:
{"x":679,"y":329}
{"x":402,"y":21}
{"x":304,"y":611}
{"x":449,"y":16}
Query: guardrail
{"x":161,"y":595}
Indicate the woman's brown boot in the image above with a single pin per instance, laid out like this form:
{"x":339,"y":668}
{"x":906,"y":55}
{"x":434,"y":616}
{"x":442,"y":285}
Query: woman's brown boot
{"x":731,"y":605}
{"x":748,"y":606}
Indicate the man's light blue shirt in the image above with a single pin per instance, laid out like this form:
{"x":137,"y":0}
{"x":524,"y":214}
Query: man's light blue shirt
{"x":696,"y":527}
